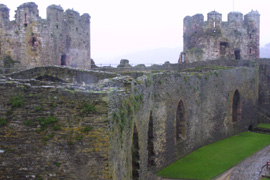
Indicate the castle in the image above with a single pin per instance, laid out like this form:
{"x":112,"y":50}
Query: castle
{"x":237,"y":38}
{"x":29,"y":41}
{"x":65,"y":123}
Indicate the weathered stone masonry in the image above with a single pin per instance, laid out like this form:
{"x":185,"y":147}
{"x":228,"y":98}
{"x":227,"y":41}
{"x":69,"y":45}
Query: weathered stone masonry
{"x":238,"y":38}
{"x":71,"y":128}
{"x":29,"y":41}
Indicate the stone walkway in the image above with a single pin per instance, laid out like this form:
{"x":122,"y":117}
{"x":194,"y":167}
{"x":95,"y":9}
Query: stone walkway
{"x":250,"y":168}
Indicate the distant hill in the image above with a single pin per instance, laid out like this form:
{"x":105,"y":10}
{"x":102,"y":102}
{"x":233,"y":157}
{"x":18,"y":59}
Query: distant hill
{"x":265,"y":51}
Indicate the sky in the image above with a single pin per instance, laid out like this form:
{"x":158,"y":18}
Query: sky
{"x":123,"y":27}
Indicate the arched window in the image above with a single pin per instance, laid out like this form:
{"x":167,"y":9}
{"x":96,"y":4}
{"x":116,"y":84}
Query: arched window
{"x":236,"y":108}
{"x":180,"y":122}
{"x":135,"y":155}
{"x":150,"y":148}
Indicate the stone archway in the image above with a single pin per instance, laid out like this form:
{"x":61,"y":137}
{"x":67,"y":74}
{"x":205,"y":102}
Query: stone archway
{"x":150,"y":147}
{"x":180,"y":122}
{"x":135,"y":155}
{"x":236,"y":108}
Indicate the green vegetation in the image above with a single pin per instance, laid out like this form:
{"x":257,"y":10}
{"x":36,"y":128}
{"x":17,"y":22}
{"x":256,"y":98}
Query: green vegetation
{"x":87,"y":129}
{"x":38,"y":108}
{"x":211,"y":160}
{"x":56,"y":127}
{"x":80,"y":137}
{"x":16,"y":101}
{"x":264,"y":125}
{"x":3,"y":122}
{"x":27,"y":122}
{"x":88,"y":108}
{"x":44,"y":123}
{"x":9,"y":62}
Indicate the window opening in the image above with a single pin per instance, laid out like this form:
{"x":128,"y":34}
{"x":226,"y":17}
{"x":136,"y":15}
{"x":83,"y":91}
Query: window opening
{"x":135,"y":155}
{"x":151,"y":154}
{"x":214,"y":24}
{"x":223,"y":47}
{"x":183,"y":58}
{"x":237,"y":54}
{"x":180,"y":126}
{"x":250,"y":50}
{"x":25,"y":19}
{"x":236,"y":111}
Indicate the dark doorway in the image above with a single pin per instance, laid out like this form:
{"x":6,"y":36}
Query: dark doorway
{"x":237,"y":54}
{"x":180,"y":126}
{"x":151,"y":154}
{"x":250,"y":128}
{"x":63,"y":60}
{"x":236,"y":111}
{"x":135,"y":155}
{"x":223,"y":47}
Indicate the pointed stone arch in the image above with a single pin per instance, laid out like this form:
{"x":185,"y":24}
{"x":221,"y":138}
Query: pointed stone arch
{"x":150,"y":147}
{"x":180,"y":122}
{"x":135,"y":155}
{"x":236,"y":107}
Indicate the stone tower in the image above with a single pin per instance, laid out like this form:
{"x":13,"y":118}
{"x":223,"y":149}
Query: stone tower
{"x":237,"y":38}
{"x":30,"y":41}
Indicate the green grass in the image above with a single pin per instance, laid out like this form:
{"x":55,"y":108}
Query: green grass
{"x":213,"y":159}
{"x":264,"y":125}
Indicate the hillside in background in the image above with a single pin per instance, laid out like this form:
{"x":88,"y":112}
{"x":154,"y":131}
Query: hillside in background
{"x":265,"y":51}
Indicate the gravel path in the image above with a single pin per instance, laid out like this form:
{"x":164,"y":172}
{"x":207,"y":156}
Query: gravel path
{"x":250,"y":168}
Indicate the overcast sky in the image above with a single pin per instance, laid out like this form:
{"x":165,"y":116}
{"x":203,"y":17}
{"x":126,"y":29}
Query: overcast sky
{"x":120,"y":27}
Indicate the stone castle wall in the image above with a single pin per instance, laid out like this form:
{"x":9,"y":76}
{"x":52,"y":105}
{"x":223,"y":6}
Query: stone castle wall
{"x":29,"y":41}
{"x":238,"y":38}
{"x":117,"y":127}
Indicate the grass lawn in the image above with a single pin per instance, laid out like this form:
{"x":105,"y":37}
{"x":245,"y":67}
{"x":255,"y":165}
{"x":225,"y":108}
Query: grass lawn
{"x":213,"y":159}
{"x":264,"y":125}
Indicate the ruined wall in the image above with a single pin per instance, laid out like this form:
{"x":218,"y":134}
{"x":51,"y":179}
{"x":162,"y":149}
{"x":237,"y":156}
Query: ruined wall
{"x":238,"y":38}
{"x":51,"y":131}
{"x":208,"y":112}
{"x":120,"y":127}
{"x":264,"y":90}
{"x":207,"y":103}
{"x":29,"y":41}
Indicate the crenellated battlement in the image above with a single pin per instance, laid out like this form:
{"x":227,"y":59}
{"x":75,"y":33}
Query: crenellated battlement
{"x":237,"y":38}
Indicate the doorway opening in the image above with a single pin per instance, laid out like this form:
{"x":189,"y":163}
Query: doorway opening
{"x":63,"y":60}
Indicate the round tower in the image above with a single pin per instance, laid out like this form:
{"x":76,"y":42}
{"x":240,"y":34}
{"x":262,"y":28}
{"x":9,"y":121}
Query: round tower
{"x":192,"y":29}
{"x":4,"y":16}
{"x":54,"y":13}
{"x":252,"y":22}
{"x":235,"y":17}
{"x":26,"y":14}
{"x":214,"y":18}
